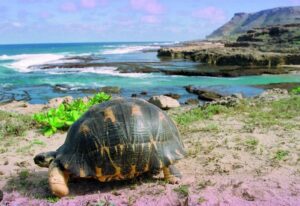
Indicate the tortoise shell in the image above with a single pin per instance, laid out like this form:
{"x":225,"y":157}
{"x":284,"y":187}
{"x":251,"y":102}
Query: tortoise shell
{"x":120,"y":139}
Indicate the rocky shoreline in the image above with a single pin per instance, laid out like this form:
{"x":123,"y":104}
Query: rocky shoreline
{"x":269,"y":47}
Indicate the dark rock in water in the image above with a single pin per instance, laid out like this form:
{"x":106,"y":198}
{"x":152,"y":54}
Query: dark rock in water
{"x":111,"y":90}
{"x":228,"y":71}
{"x":134,"y":95}
{"x":288,"y":86}
{"x":203,"y":94}
{"x":62,"y":88}
{"x":173,"y":95}
{"x":85,"y":59}
{"x":144,"y":93}
{"x":135,"y":68}
{"x":6,"y":97}
{"x":192,"y":101}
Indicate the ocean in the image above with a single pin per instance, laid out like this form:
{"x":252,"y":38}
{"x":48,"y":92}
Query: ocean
{"x":24,"y":76}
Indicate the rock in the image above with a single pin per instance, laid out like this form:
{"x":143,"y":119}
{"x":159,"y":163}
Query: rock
{"x":172,"y":95}
{"x":228,"y":101}
{"x":111,"y":90}
{"x":284,"y":85}
{"x":192,"y":101}
{"x":273,"y":94}
{"x":1,"y":173}
{"x":237,"y":95}
{"x":204,"y":94}
{"x":144,"y":93}
{"x":55,"y":102}
{"x":164,"y":102}
{"x":133,"y":95}
{"x":6,"y":162}
{"x":85,"y":99}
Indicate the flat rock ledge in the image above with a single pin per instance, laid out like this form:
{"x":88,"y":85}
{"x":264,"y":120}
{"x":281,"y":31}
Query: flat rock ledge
{"x":230,"y":56}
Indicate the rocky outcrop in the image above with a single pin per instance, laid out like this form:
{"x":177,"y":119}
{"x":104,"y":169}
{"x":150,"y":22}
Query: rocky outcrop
{"x":164,"y":102}
{"x":242,"y":22}
{"x":232,"y":56}
{"x":228,"y":101}
{"x":285,"y":85}
{"x":192,"y":101}
{"x":272,"y":95}
{"x":55,"y":102}
{"x":110,"y":90}
{"x":173,"y":95}
{"x":204,"y":94}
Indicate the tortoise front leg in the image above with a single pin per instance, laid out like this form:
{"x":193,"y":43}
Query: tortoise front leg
{"x":58,"y":180}
{"x":171,"y":174}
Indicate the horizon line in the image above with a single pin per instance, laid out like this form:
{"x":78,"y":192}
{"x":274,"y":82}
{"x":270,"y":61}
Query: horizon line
{"x":87,"y":42}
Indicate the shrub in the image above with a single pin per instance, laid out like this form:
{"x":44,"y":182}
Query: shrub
{"x":296,"y":90}
{"x":62,"y":117}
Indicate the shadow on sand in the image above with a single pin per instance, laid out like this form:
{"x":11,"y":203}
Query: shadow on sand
{"x":35,"y":184}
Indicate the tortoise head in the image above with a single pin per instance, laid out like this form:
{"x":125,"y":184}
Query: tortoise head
{"x":44,"y":159}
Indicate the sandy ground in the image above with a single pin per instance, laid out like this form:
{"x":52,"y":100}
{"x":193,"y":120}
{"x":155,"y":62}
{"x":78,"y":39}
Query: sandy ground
{"x":220,"y":169}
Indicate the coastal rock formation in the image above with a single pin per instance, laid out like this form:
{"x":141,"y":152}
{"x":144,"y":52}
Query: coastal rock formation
{"x":173,"y":95}
{"x":110,"y":90}
{"x":204,"y":94}
{"x":232,"y":56}
{"x":192,"y":101}
{"x":164,"y":102}
{"x":268,"y":39}
{"x":242,"y":22}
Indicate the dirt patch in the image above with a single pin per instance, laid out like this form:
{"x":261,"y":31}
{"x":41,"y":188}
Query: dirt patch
{"x":228,"y":163}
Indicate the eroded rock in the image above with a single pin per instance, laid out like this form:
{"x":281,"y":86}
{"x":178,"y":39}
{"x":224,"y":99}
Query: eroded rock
{"x":164,"y":102}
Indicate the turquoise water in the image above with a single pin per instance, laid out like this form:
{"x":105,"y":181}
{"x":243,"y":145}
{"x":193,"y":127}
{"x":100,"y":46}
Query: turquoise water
{"x":20,"y":75}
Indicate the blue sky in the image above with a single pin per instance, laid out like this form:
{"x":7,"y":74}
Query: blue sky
{"x":34,"y":21}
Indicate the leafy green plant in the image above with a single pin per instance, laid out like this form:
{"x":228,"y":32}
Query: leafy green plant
{"x":296,"y":90}
{"x":62,"y":117}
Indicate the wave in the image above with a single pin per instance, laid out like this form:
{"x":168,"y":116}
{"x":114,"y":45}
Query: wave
{"x":130,"y":49}
{"x":22,"y":62}
{"x":110,"y":71}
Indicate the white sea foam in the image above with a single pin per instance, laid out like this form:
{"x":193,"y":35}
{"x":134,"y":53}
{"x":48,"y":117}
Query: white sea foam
{"x":22,"y":62}
{"x":129,"y":49}
{"x":111,"y":71}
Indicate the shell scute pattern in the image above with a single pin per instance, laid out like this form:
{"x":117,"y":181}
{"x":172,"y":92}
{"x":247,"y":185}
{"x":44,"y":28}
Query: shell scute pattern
{"x":120,"y":139}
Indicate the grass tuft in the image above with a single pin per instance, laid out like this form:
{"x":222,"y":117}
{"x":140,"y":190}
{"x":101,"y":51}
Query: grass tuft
{"x":182,"y":190}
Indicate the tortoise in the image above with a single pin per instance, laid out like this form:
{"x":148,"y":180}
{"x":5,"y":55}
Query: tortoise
{"x":115,"y":140}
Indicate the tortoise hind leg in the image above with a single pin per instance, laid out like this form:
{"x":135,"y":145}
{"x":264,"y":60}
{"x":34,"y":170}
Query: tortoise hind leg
{"x":58,"y":180}
{"x":172,"y":174}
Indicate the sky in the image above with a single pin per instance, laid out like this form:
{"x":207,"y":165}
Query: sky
{"x":47,"y":21}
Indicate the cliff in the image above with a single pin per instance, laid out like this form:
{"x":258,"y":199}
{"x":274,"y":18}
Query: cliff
{"x":242,"y":22}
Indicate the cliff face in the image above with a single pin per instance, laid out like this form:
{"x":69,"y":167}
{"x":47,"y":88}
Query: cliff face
{"x":242,"y":22}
